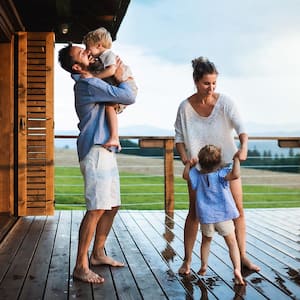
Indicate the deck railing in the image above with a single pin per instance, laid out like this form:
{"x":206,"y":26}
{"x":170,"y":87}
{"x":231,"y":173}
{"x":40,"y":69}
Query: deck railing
{"x":151,"y":173}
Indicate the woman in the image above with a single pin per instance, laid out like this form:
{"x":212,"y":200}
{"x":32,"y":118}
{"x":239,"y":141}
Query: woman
{"x":208,"y":117}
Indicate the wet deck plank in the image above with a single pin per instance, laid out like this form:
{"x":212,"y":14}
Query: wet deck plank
{"x":38,"y":255}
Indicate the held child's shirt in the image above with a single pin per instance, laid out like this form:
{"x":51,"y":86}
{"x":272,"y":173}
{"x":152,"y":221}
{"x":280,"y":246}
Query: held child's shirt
{"x":214,"y":201}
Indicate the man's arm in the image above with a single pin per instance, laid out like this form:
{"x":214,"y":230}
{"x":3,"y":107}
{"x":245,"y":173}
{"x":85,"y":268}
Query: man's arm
{"x":103,"y":92}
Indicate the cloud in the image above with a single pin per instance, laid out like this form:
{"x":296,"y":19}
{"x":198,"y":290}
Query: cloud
{"x":162,"y":86}
{"x":255,"y":45}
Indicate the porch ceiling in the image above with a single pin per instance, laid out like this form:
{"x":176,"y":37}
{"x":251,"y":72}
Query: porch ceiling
{"x":69,"y":19}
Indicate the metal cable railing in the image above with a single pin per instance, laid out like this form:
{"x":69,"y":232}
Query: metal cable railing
{"x":143,"y":184}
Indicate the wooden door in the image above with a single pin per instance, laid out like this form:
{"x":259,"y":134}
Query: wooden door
{"x":35,"y":124}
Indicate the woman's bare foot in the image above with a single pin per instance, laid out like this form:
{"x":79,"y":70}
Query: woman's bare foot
{"x":249,"y":265}
{"x":105,"y":260}
{"x":202,"y":270}
{"x":87,"y":276}
{"x":238,"y":279}
{"x":185,"y":268}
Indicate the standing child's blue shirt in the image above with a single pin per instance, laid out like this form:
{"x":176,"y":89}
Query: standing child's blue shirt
{"x":214,"y":201}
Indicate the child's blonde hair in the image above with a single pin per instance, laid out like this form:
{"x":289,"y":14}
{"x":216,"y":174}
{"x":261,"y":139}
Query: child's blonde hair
{"x":98,"y":35}
{"x":210,"y":157}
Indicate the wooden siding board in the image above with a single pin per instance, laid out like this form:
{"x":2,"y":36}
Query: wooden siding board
{"x":35,"y":72}
{"x":36,"y":79}
{"x":37,"y":143}
{"x":7,"y":129}
{"x":50,"y":122}
{"x":22,"y":121}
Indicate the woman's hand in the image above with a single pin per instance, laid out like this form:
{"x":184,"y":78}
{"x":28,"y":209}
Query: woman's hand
{"x":241,"y":154}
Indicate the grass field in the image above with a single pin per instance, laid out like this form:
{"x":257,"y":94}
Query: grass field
{"x":144,"y":191}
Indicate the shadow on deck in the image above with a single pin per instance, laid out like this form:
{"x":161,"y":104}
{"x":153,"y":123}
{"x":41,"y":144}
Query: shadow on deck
{"x":38,"y":255}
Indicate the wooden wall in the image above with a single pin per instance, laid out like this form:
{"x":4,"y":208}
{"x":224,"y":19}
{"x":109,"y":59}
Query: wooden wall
{"x":6,"y":128}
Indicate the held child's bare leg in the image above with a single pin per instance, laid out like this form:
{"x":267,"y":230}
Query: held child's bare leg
{"x":205,"y":247}
{"x":234,"y":254}
{"x":98,"y":256}
{"x":87,"y":229}
{"x":190,"y":233}
{"x":240,"y":224}
{"x":112,"y":118}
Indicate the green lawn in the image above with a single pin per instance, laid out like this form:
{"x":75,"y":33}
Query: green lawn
{"x":144,"y":192}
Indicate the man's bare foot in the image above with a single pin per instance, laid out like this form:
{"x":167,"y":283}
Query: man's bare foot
{"x":238,"y":279}
{"x":249,"y":265}
{"x":202,"y":270}
{"x":185,"y":268}
{"x":87,"y":276}
{"x":105,"y":260}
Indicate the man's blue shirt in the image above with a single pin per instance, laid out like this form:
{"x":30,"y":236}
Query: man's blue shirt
{"x":91,"y":94}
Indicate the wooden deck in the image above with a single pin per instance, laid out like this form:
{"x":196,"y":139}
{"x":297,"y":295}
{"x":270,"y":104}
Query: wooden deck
{"x":38,"y":254}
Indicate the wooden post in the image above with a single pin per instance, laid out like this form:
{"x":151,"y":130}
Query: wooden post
{"x":167,"y":143}
{"x":169,"y":175}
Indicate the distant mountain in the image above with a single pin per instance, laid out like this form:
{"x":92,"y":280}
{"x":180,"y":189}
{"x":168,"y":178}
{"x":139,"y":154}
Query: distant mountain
{"x":255,"y":130}
{"x":145,"y":130}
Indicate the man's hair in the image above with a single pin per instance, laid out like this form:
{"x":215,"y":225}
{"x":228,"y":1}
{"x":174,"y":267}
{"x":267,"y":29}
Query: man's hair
{"x":98,"y":35}
{"x":65,"y":59}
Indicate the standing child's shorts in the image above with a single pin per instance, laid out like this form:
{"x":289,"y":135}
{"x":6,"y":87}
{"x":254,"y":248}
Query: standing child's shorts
{"x":223,"y":228}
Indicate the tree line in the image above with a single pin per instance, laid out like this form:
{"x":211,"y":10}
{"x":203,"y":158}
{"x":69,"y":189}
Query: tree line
{"x":256,"y":159}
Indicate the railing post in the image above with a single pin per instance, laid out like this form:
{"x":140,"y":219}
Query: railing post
{"x":167,"y":143}
{"x":169,"y":175}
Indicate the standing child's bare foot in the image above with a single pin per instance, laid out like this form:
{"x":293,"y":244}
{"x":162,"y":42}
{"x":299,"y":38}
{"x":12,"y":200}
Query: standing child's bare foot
{"x":105,"y":260}
{"x":249,"y":265}
{"x":185,"y":268}
{"x":202,"y":270}
{"x":238,"y":279}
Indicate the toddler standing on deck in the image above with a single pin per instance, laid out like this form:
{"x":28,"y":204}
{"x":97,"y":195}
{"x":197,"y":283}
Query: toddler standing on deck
{"x":99,"y":42}
{"x":215,"y":206}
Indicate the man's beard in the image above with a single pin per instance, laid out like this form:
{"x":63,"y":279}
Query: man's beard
{"x":95,"y":67}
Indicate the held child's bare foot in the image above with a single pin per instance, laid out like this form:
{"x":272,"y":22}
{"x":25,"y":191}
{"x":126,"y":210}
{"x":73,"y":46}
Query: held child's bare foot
{"x":185,"y":268}
{"x":87,"y":276}
{"x":202,"y":270}
{"x":238,"y":279}
{"x":105,"y":260}
{"x":249,"y":265}
{"x":113,"y":142}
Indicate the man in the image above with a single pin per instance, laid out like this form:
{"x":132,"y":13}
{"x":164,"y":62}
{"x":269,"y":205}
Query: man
{"x":97,"y":163}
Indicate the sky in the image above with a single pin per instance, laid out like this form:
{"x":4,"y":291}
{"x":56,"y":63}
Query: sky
{"x":254,"y":44}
